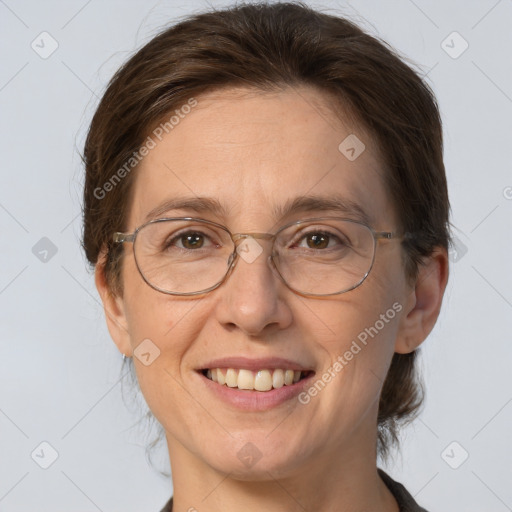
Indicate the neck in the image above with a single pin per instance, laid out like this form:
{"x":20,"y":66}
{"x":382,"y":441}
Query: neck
{"x":345,"y":479}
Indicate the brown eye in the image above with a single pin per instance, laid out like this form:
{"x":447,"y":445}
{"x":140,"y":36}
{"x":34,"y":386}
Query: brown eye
{"x":320,"y":240}
{"x":192,"y":240}
{"x":189,"y":240}
{"x":317,"y":241}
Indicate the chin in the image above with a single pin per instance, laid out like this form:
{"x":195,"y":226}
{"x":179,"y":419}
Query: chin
{"x":250,"y":463}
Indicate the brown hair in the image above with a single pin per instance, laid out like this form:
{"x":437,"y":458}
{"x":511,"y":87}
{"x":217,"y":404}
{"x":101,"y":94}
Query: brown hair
{"x":269,"y":47}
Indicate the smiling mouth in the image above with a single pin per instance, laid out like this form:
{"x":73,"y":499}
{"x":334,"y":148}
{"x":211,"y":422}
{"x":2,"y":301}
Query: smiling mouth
{"x":261,"y":380}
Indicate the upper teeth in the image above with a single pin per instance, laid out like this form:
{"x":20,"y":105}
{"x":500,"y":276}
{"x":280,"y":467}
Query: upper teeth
{"x":262,"y":380}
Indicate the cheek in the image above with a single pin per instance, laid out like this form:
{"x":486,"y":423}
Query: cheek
{"x":357,"y":332}
{"x":150,"y":314}
{"x":358,"y":346}
{"x":168,"y":329}
{"x":161,"y":332}
{"x":172,"y":325}
{"x":361,"y":331}
{"x":162,"y":327}
{"x":369,"y":311}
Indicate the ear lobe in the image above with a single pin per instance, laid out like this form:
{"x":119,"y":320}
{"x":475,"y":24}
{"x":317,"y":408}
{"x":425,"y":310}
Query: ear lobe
{"x":423,"y":303}
{"x":114,"y":309}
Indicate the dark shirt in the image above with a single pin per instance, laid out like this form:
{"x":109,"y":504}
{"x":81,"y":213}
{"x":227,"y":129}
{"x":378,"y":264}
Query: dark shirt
{"x":405,"y":501}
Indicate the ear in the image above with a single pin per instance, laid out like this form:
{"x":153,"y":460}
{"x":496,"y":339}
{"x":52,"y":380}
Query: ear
{"x":423,"y":302}
{"x":114,"y":308}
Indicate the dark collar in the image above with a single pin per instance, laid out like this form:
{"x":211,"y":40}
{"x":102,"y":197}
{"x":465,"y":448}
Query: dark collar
{"x":405,"y":501}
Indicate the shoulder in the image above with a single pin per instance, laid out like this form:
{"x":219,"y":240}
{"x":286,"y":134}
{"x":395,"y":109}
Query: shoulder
{"x":404,"y":499}
{"x":168,"y":506}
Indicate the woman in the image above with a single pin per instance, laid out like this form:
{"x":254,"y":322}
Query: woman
{"x":266,"y":210}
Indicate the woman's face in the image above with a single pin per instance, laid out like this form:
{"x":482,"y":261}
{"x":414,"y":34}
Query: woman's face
{"x":254,"y":153}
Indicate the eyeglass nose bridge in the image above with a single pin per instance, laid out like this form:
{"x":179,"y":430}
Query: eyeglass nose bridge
{"x":240,"y":237}
{"x":236,"y":237}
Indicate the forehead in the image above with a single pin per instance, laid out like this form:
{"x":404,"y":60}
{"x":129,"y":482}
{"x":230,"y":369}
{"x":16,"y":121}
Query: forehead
{"x":254,"y":154}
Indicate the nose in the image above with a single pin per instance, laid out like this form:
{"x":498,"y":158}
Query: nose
{"x":253,"y":298}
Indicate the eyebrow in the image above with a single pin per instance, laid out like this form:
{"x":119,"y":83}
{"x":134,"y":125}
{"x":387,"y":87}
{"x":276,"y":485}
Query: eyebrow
{"x":310,"y":203}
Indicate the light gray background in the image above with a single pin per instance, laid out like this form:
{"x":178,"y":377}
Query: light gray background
{"x":59,"y":370}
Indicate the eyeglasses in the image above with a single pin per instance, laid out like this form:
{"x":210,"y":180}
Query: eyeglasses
{"x":313,"y":257}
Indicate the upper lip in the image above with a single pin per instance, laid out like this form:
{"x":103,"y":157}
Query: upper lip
{"x":264,"y":363}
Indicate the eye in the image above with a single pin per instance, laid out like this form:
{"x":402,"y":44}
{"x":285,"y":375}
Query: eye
{"x":189,"y":240}
{"x":320,"y":240}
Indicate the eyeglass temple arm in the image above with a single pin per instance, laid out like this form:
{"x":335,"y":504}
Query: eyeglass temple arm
{"x":388,"y":235}
{"x":123,"y":237}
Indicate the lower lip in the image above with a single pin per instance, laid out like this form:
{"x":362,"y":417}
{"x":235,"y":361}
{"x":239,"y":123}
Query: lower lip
{"x":251,"y":400}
